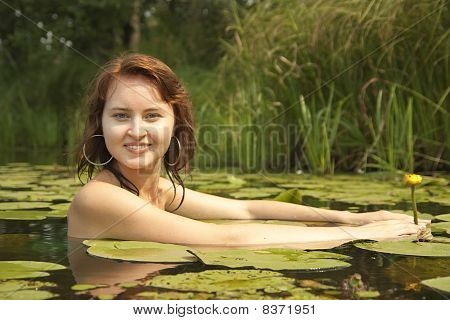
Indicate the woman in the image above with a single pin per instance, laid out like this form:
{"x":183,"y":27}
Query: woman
{"x":140,"y":119}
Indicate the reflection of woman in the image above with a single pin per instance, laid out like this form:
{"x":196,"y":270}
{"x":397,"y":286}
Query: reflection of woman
{"x":92,"y":270}
{"x":140,"y":119}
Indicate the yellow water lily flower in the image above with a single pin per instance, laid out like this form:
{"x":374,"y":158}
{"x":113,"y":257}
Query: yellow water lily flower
{"x":413,"y":179}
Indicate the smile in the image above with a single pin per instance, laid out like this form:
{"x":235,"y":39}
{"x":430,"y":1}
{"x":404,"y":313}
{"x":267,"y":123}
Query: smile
{"x":137,"y":149}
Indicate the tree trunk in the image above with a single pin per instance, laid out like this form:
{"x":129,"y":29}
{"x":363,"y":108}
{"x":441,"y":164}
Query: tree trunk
{"x":132,"y":32}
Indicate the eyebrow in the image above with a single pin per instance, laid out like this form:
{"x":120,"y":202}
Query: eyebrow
{"x":127,"y":109}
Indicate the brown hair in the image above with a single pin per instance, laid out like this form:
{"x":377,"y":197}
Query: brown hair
{"x":171,"y":91}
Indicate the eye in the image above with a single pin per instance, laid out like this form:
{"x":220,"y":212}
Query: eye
{"x":120,"y":115}
{"x":153,"y":115}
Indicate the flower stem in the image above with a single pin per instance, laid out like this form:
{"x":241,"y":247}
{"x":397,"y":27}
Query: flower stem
{"x":414,"y":206}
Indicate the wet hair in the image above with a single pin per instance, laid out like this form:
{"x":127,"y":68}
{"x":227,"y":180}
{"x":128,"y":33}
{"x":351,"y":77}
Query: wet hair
{"x":170,"y":90}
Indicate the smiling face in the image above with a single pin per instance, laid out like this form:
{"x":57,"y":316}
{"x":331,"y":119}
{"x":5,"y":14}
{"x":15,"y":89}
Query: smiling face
{"x":137,"y":124}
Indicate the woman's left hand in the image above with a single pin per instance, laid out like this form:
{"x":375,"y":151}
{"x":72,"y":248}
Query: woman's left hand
{"x":381,"y":215}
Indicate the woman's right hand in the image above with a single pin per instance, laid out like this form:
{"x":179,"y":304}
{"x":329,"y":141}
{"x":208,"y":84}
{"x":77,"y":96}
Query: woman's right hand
{"x":389,"y":229}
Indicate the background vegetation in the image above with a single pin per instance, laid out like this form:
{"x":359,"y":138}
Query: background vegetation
{"x":321,"y":86}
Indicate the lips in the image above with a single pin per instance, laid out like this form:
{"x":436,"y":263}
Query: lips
{"x":135,"y":147}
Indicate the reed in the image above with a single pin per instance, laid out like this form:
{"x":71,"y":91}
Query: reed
{"x":374,"y":74}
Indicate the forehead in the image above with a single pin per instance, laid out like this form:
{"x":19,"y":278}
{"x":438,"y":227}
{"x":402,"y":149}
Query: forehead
{"x":133,"y":91}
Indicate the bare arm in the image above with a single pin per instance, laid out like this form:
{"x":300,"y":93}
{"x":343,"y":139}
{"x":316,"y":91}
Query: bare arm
{"x":199,"y":205}
{"x":268,"y":209}
{"x":107,"y":211}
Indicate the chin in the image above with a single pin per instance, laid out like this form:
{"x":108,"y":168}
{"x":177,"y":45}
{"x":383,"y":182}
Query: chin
{"x":139,"y":163}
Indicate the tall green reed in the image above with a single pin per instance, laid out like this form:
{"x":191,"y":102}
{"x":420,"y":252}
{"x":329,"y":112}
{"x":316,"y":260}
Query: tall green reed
{"x":360,"y":51}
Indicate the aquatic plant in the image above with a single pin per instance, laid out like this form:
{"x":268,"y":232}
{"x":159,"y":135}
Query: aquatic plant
{"x":413,"y":180}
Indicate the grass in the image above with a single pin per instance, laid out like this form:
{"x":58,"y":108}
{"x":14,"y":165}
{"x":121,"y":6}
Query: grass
{"x":364,"y":83}
{"x":322,"y":86}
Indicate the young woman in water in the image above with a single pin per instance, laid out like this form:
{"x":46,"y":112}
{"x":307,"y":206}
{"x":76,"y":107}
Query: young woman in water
{"x":139,"y":120}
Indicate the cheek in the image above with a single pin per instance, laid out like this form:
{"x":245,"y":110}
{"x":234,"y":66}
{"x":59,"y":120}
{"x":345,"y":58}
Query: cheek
{"x":160,"y":133}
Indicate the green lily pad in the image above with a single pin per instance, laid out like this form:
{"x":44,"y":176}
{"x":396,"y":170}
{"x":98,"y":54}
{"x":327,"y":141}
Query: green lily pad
{"x":142,"y":254}
{"x":222,"y":280}
{"x":443,"y":217}
{"x":6,"y":275}
{"x":291,"y":196}
{"x":422,"y":249}
{"x":312,"y":284}
{"x":274,"y":259}
{"x":255,"y":192}
{"x":303,"y":294}
{"x":174,"y":295}
{"x":440,"y":226}
{"x":441,"y":284}
{"x":102,"y":243}
{"x":15,"y":285}
{"x":29,"y":266}
{"x":139,"y":251}
{"x":85,"y":286}
{"x":367,"y":294}
{"x":22,"y":215}
{"x":27,"y":295}
{"x":60,"y":206}
{"x":23,"y":205}
{"x":425,"y":216}
{"x":440,"y":239}
{"x":26,"y":269}
{"x":56,"y":214}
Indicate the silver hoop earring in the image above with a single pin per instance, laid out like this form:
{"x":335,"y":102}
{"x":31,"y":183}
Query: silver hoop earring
{"x":84,"y":153}
{"x":179,"y":153}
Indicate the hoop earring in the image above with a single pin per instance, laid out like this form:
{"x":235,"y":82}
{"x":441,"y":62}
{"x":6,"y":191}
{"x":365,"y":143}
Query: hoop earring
{"x":84,"y":153}
{"x":179,"y":153}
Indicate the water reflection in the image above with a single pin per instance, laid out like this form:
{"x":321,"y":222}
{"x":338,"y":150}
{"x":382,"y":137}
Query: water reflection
{"x":87,"y":269}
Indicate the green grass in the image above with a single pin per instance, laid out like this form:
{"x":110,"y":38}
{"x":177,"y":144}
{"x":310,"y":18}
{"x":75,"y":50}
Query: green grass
{"x":364,"y":82}
{"x":322,"y":86}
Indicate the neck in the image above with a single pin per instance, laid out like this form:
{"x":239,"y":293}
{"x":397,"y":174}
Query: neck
{"x":146,"y":180}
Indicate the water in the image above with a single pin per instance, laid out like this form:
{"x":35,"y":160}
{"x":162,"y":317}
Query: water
{"x":395,"y":277}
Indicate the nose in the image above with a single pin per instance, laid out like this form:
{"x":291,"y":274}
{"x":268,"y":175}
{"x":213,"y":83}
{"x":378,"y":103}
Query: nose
{"x":137,"y":130}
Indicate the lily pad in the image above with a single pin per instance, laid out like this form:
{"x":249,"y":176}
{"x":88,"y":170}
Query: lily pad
{"x":367,"y":294}
{"x":23,"y":205}
{"x":291,"y":196}
{"x":422,"y":249}
{"x":5,"y":275}
{"x":441,"y":284}
{"x":440,"y":239}
{"x":255,"y":192}
{"x":142,"y":254}
{"x":440,"y":226}
{"x":222,"y":280}
{"x":174,"y":295}
{"x":274,"y":259}
{"x":425,"y":216}
{"x":83,"y":286}
{"x":443,"y":217}
{"x":60,"y":206}
{"x":312,"y":284}
{"x":139,"y":251}
{"x":15,"y":285}
{"x":26,"y":269}
{"x":22,"y":215}
{"x":27,"y":295}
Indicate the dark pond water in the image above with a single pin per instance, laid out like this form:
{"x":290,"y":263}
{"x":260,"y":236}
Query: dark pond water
{"x":394,"y":276}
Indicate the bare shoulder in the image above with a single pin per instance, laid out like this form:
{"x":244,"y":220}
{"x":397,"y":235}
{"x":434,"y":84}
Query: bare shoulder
{"x":101,"y":210}
{"x":93,"y":203}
